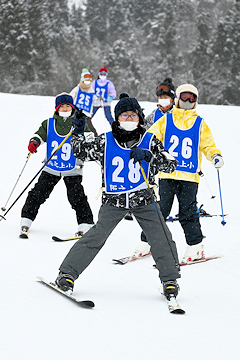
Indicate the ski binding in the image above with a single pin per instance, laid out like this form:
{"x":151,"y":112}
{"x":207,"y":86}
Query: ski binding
{"x":172,"y":304}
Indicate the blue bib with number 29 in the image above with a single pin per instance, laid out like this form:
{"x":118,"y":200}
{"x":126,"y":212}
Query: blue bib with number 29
{"x":64,"y":159}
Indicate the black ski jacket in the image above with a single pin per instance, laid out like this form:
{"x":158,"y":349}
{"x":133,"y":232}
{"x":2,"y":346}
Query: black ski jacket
{"x":94,"y":150}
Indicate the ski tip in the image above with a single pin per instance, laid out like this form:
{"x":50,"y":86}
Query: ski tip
{"x":86,"y":303}
{"x":55,"y":238}
{"x":178,"y":311}
{"x":118,"y":262}
{"x":23,"y":236}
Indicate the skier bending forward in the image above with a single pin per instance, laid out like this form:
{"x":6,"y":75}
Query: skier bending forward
{"x":119,"y":152}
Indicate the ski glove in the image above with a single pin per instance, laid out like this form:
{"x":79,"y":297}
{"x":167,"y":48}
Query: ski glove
{"x":78,"y":113}
{"x":78,"y":122}
{"x":169,"y":162}
{"x":217,"y":161}
{"x":139,"y":154}
{"x":32,"y":146}
{"x":109,"y":99}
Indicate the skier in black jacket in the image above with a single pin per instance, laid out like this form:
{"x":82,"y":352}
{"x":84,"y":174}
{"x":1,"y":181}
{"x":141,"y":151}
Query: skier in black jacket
{"x":119,"y":152}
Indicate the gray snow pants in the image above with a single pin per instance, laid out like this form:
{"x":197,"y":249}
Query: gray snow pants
{"x":85,"y":250}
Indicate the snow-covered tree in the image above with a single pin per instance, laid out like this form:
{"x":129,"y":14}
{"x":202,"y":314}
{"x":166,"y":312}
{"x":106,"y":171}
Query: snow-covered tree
{"x":96,"y":18}
{"x":202,"y":58}
{"x":40,"y":44}
{"x":14,"y":43}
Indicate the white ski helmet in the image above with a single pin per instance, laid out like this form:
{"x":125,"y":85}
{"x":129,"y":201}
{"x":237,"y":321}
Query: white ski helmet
{"x":185,"y":88}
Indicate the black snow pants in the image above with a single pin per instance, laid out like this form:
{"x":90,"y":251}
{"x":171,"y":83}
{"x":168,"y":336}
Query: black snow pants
{"x":43,"y":188}
{"x":186,"y":192}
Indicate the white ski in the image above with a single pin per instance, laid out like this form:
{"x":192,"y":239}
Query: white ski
{"x":173,"y":306}
{"x":83,"y":303}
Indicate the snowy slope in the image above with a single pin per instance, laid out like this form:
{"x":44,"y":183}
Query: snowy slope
{"x":131,"y":320}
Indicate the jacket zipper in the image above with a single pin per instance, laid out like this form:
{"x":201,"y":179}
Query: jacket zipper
{"x":183,"y":120}
{"x":127,"y":201}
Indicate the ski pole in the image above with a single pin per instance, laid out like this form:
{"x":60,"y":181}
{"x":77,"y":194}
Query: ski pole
{"x":4,"y":207}
{"x":223,"y":222}
{"x":101,"y":101}
{"x":50,"y":157}
{"x":102,"y":106}
{"x":212,"y":196}
{"x":177,"y":265}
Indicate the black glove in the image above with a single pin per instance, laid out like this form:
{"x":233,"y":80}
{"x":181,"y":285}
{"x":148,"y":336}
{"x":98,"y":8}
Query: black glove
{"x":169,"y":162}
{"x":139,"y":154}
{"x":78,"y":112}
{"x":78,"y":122}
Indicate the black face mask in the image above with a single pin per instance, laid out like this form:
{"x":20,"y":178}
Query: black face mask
{"x":123,"y":136}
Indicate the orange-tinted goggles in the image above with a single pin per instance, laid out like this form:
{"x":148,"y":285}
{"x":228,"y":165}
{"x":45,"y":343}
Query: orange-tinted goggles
{"x":188,"y":96}
{"x":87,"y":76}
{"x":163,"y":88}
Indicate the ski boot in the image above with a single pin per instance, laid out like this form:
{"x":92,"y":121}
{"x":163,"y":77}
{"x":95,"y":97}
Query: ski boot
{"x":65,"y":282}
{"x":82,"y":229}
{"x":193,"y":253}
{"x":24,"y":232}
{"x":170,"y":289}
{"x":128,"y":216}
{"x":25,"y":226}
{"x":141,"y":250}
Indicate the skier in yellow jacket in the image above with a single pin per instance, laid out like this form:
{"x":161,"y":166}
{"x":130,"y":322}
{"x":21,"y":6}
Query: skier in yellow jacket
{"x":186,"y":136}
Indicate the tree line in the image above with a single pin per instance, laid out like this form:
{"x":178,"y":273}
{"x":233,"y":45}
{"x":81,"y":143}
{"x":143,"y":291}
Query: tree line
{"x":44,"y":45}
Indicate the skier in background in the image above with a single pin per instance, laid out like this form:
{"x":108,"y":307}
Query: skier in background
{"x":166,"y":95}
{"x":83,"y":95}
{"x":125,"y":187}
{"x":105,"y":92}
{"x":186,"y":136}
{"x":63,"y":164}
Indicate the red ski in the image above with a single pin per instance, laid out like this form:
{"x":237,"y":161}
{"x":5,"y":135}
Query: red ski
{"x":129,"y":259}
{"x":202,"y":260}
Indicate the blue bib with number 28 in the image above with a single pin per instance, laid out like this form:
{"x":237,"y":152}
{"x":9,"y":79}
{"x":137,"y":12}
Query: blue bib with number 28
{"x":121,"y":175}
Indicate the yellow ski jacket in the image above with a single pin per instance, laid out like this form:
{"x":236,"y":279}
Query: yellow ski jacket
{"x":185,"y":120}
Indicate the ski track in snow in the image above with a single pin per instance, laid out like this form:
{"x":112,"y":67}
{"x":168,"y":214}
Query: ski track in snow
{"x":130,"y":320}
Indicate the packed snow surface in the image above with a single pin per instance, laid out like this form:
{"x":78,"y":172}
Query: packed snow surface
{"x":130,"y":320}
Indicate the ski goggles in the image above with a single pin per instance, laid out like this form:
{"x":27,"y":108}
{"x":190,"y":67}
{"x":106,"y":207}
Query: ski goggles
{"x":184,"y":96}
{"x":164,"y":89}
{"x":103,"y":73}
{"x":87,"y":77}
